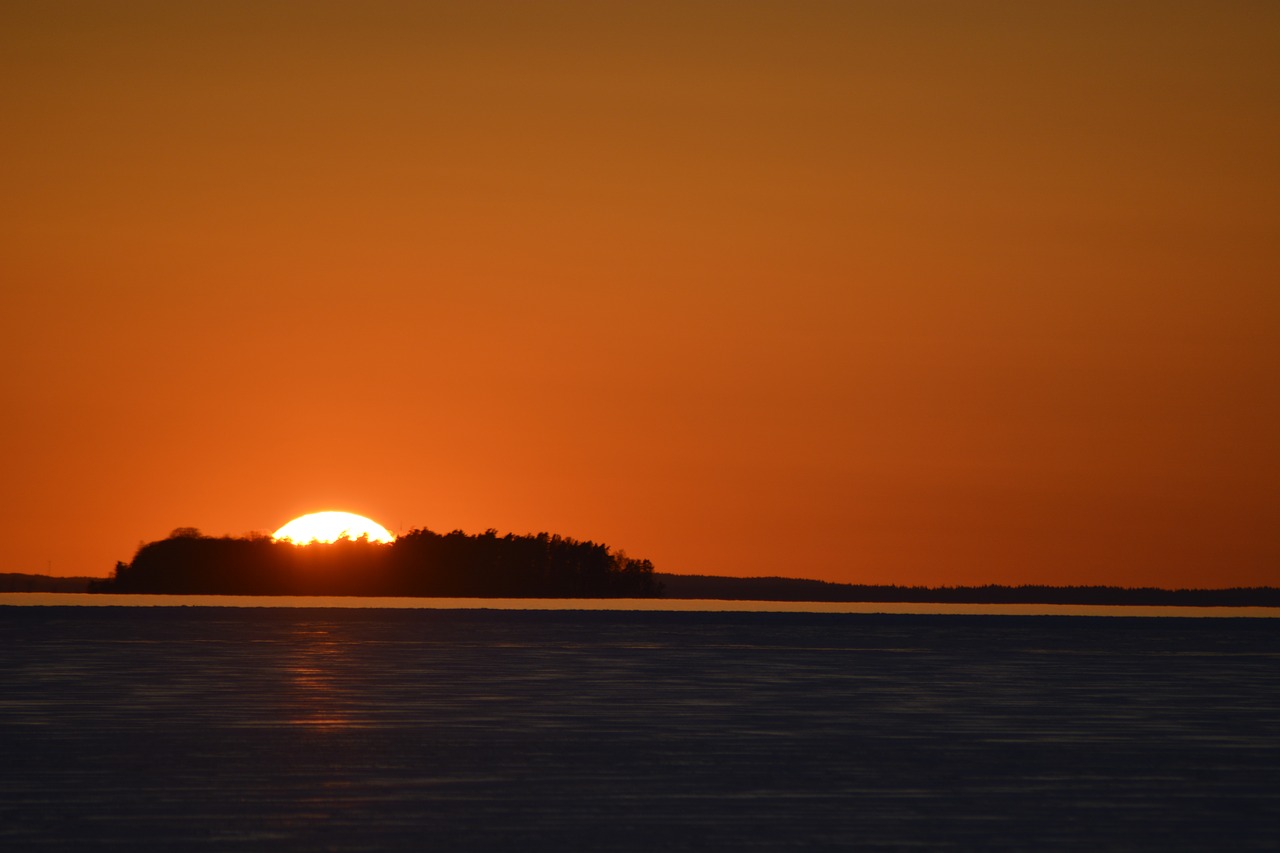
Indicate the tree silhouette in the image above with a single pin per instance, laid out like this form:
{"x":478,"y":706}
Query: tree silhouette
{"x":420,"y":563}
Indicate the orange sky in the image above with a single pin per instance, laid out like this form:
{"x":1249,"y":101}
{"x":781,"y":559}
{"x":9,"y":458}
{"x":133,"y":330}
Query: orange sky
{"x":899,"y":292}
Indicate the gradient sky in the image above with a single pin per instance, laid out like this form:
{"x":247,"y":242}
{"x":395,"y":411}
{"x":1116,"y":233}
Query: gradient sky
{"x":885,"y":292}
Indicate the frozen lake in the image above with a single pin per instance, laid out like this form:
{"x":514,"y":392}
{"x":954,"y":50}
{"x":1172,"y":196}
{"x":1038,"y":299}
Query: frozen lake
{"x":145,"y":728}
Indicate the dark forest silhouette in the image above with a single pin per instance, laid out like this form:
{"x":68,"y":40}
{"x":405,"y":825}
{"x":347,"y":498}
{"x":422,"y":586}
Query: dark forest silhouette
{"x":799,"y":589}
{"x":423,"y":563}
{"x":420,"y":563}
{"x":24,"y":582}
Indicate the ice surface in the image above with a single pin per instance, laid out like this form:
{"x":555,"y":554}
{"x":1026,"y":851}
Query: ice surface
{"x":294,"y":729}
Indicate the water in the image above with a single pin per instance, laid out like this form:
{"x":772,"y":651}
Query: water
{"x":128,"y":728}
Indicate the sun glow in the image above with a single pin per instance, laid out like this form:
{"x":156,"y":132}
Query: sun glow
{"x":330,"y":527}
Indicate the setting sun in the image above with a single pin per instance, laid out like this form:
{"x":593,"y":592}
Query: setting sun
{"x":330,"y":527}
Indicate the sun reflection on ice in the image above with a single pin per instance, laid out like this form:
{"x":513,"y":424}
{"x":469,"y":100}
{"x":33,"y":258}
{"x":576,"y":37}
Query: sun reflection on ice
{"x":315,"y":700}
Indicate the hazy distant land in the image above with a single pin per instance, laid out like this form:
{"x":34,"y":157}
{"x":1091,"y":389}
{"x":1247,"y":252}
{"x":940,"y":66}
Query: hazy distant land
{"x":712,"y":587}
{"x":21,"y":582}
{"x":798,"y":589}
{"x":425,"y":564}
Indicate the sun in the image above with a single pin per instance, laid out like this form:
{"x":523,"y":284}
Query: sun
{"x":330,"y":527}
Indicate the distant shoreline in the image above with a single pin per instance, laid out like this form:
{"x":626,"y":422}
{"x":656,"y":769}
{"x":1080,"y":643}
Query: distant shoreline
{"x":712,"y":587}
{"x":21,"y":582}
{"x":798,"y":589}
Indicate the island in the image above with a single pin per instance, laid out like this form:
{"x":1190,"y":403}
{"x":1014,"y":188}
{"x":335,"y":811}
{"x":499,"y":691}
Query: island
{"x":419,"y":563}
{"x":423,"y":563}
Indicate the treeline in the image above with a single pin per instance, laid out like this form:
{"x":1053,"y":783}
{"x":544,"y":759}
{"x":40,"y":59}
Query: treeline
{"x":795,"y":589}
{"x":420,"y":563}
{"x":19,"y":582}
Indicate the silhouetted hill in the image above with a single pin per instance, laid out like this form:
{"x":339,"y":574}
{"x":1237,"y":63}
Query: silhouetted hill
{"x":17,"y":582}
{"x":420,"y":563}
{"x":795,"y":589}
